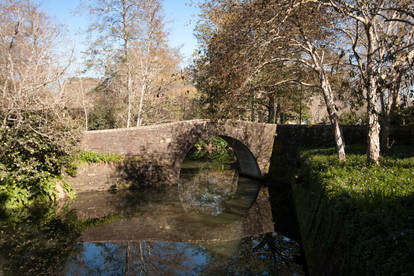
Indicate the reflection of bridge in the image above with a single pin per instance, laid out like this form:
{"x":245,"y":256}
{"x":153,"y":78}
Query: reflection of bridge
{"x":159,"y":215}
{"x":166,"y":145}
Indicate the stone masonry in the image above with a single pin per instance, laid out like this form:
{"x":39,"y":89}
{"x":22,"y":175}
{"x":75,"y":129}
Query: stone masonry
{"x":159,"y":150}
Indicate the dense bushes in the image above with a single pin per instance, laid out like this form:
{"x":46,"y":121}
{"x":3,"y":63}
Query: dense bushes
{"x":376,"y":203}
{"x":30,"y":163}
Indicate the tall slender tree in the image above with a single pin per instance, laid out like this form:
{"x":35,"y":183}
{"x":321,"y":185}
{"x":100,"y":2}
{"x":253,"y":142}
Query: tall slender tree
{"x":127,"y":34}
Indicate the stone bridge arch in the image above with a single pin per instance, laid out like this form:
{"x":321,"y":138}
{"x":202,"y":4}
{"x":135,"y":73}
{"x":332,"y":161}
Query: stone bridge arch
{"x":166,"y":145}
{"x":251,"y":142}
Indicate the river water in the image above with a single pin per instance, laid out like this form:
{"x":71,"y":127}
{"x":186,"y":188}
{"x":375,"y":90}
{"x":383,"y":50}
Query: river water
{"x":213,"y":223}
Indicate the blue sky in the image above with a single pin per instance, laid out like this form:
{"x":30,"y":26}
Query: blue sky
{"x":179,"y":15}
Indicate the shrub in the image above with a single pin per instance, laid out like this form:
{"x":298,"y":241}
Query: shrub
{"x":32,"y":153}
{"x":30,"y":163}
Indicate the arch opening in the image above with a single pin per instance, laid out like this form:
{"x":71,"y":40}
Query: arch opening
{"x":209,"y":180}
{"x":208,"y":176}
{"x":247,"y":163}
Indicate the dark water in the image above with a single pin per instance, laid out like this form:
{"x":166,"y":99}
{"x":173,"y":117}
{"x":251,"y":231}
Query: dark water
{"x":212,"y":223}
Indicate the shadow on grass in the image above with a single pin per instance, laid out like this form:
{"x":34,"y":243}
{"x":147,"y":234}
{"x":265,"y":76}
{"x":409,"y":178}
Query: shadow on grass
{"x":370,"y":208}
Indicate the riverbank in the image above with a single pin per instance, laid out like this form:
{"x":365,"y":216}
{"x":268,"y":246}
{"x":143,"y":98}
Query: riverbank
{"x":356,"y":219}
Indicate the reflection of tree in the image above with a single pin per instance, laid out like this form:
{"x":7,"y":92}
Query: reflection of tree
{"x":206,"y":188}
{"x":268,"y":254}
{"x":131,"y":258}
{"x":37,"y":241}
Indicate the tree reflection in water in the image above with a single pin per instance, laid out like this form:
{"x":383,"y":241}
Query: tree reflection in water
{"x":37,"y":240}
{"x":267,"y":254}
{"x":202,"y":238}
{"x":204,"y":188}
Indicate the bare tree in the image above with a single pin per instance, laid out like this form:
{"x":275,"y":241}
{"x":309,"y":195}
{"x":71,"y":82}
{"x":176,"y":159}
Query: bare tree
{"x":314,"y":47}
{"x":116,"y":24}
{"x":152,"y":41}
{"x":76,"y":93}
{"x":158,"y":81}
{"x":30,"y":69}
{"x":128,"y":35}
{"x":36,"y":132}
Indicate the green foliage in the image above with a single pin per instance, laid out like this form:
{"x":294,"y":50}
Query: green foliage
{"x":108,"y":110}
{"x":352,"y":118}
{"x":67,"y":187}
{"x":403,"y":116}
{"x":89,"y":157}
{"x":377,"y":204}
{"x":214,"y":149}
{"x":94,"y":157}
{"x":29,"y":163}
{"x":72,"y":169}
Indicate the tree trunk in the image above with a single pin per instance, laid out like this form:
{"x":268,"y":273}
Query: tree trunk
{"x":85,"y":110}
{"x":271,"y":109}
{"x":373,"y":142}
{"x":146,"y":67}
{"x":386,"y":144}
{"x":252,"y":114}
{"x":333,"y":116}
{"x":126,"y":57}
{"x":141,"y":103}
{"x":129,"y":97}
{"x":278,"y":113}
{"x":388,"y":109}
{"x":329,"y":102}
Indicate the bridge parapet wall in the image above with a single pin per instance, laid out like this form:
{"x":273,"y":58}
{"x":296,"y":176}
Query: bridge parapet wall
{"x":164,"y":147}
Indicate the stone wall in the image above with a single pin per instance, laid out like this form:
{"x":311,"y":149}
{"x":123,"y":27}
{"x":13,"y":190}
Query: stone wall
{"x":322,"y":136}
{"x":155,"y":153}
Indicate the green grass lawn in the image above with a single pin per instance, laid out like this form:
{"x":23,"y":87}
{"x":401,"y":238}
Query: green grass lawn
{"x":377,"y":203}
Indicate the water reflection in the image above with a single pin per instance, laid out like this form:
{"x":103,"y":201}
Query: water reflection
{"x":205,"y":188}
{"x":266,"y":254}
{"x":210,"y":224}
{"x":37,"y":241}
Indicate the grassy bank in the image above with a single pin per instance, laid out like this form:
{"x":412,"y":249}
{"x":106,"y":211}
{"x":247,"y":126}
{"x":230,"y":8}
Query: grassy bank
{"x":376,"y":204}
{"x":88,"y":157}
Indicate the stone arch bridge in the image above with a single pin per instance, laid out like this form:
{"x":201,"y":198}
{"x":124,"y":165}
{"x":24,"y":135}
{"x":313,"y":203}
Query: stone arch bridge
{"x":163,"y":147}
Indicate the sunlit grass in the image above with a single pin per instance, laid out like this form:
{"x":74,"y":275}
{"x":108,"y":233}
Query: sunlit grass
{"x":87,"y":157}
{"x":377,"y":203}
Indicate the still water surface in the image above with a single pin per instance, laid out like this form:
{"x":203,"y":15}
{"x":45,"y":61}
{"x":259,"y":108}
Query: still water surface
{"x":210,"y":224}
